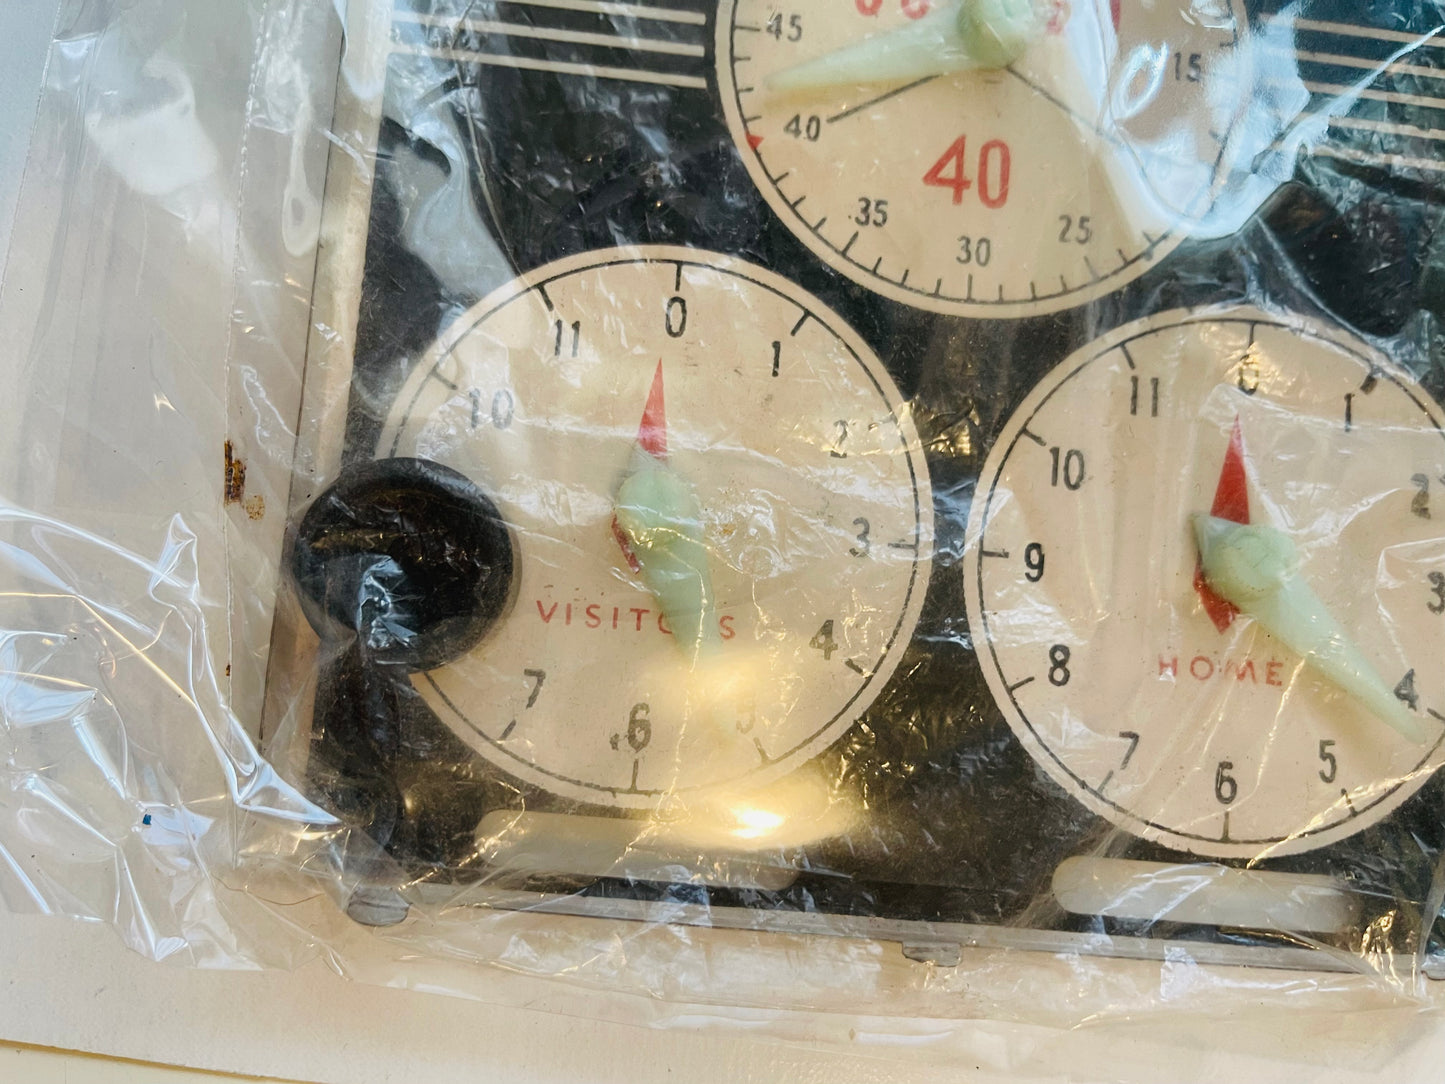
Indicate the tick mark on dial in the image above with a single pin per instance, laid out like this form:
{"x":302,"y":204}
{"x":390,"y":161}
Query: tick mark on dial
{"x":880,"y":98}
{"x":1100,"y":788}
{"x":801,"y":321}
{"x":1002,"y":555}
{"x":762,"y":753}
{"x":1016,"y":686}
{"x":636,"y":765}
{"x":677,"y":281}
{"x":1027,"y":432}
{"x":905,"y":545}
{"x":546,"y":298}
{"x":851,"y":241}
{"x":1371,"y":382}
{"x":1224,"y":837}
{"x":507,"y":733}
{"x":1089,"y":264}
{"x":1345,"y":794}
{"x":437,"y":376}
{"x":1435,"y":714}
{"x":857,"y":669}
{"x":1128,"y":357}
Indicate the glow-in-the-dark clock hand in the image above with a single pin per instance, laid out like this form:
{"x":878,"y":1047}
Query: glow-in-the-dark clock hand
{"x":1254,"y":567}
{"x":659,"y":522}
{"x":971,"y":35}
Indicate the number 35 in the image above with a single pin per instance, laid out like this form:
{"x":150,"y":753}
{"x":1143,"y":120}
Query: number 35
{"x":871,"y":212}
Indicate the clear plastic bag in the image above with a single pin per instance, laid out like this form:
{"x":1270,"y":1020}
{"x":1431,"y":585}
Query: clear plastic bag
{"x":689,"y":499}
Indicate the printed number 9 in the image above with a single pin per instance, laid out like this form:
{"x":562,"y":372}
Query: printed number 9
{"x":1034,"y":562}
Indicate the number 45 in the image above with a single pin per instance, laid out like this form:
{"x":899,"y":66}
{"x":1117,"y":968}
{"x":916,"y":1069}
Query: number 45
{"x":792,"y":30}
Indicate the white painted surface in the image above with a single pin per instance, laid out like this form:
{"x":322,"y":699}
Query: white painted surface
{"x":24,"y":34}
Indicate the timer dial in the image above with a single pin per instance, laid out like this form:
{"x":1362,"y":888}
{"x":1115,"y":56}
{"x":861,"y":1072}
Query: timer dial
{"x":1206,"y":580}
{"x":722,"y":522}
{"x":1000,"y":191}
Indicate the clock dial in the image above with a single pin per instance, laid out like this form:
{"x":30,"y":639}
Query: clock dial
{"x":1206,"y":579}
{"x":974,"y":181}
{"x":721,"y":521}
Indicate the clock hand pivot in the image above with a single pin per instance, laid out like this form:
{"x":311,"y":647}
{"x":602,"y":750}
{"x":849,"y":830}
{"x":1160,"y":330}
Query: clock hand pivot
{"x":658,"y":513}
{"x":658,"y":520}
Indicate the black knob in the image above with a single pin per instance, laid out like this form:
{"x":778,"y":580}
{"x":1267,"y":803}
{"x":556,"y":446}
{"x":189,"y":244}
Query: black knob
{"x":405,"y":558}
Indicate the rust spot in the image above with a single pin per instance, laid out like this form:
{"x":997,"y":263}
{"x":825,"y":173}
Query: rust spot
{"x":228,"y":669}
{"x":235,"y":491}
{"x":255,"y":506}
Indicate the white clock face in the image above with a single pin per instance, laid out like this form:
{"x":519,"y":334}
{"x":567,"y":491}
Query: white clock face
{"x":814,"y":502}
{"x":1133,"y":684}
{"x":1000,"y":193}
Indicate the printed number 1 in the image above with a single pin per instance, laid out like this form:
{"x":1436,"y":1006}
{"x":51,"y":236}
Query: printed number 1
{"x":560,"y":330}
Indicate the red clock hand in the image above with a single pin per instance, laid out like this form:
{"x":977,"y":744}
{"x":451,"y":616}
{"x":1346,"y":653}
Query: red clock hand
{"x":652,"y":433}
{"x":652,"y":439}
{"x":1231,"y":502}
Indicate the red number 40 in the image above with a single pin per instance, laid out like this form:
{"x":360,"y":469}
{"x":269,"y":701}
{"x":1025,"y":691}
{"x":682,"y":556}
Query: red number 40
{"x":994,"y":163}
